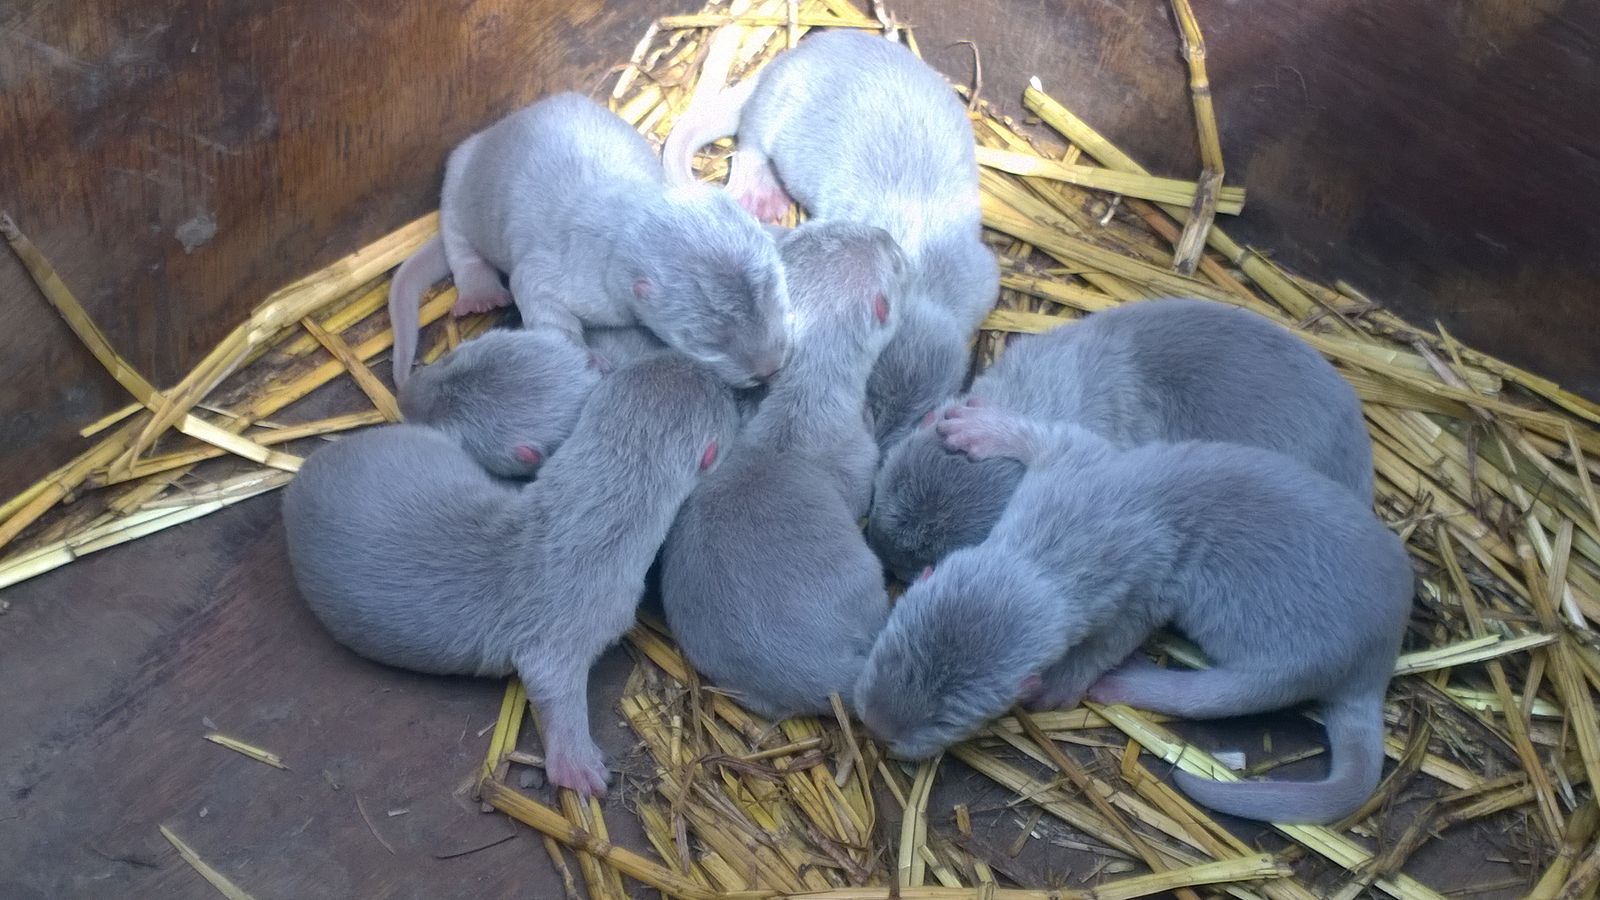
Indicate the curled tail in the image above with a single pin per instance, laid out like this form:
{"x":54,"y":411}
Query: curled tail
{"x":717,"y":117}
{"x":415,"y":276}
{"x":1355,"y":743}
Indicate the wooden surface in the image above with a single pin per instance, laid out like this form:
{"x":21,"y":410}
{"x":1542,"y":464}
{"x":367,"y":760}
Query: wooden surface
{"x":113,"y":668}
{"x":178,"y":159}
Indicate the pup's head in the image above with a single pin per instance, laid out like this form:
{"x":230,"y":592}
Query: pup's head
{"x":964,"y":643}
{"x":707,"y":279}
{"x":846,"y":283}
{"x":928,"y":501}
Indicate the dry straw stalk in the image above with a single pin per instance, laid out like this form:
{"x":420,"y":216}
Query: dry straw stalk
{"x":1186,"y":255}
{"x":265,"y":757}
{"x":219,"y":881}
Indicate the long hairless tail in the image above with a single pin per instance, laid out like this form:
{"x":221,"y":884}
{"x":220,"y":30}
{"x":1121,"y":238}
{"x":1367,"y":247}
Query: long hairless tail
{"x":415,"y":276}
{"x":717,"y":117}
{"x":1355,"y":743}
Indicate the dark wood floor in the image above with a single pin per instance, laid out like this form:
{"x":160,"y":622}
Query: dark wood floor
{"x":111,"y":669}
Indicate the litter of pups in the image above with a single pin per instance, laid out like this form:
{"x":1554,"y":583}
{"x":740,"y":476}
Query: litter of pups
{"x":1532,"y":577}
{"x":1174,"y":483}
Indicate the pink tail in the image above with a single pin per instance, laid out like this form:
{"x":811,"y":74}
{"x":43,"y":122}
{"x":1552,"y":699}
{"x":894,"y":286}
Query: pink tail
{"x":416,"y":275}
{"x":703,"y":123}
{"x":1355,"y":742}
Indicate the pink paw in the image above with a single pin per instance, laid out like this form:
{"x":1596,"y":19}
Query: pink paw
{"x":766,"y":205}
{"x":977,"y":431}
{"x":582,"y":769}
{"x":478,"y":302}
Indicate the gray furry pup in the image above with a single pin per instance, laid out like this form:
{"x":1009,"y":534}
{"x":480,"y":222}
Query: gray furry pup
{"x":767,"y":582}
{"x":1157,"y":370}
{"x":856,"y":128}
{"x":568,"y":201}
{"x":1284,"y":578}
{"x":413,"y":555}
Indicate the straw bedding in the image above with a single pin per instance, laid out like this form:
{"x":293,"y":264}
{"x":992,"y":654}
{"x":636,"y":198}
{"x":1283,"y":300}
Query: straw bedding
{"x":1486,"y":470}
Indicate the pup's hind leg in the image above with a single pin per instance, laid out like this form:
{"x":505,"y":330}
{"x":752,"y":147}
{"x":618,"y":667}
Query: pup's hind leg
{"x":541,"y":306}
{"x":571,"y":757}
{"x":478,"y":287}
{"x":753,"y":182}
{"x":1197,"y":694}
{"x":1064,"y":683}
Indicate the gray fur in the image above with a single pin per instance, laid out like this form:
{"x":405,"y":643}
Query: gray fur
{"x":925,"y":365}
{"x":1284,"y":578}
{"x":620,"y":345}
{"x":1167,"y":370}
{"x":569,"y":202}
{"x":767,"y":583}
{"x":510,"y":397}
{"x":414,"y":556}
{"x":614,"y":347}
{"x":857,"y":128}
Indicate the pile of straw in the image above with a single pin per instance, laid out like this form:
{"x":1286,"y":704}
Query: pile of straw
{"x":1485,"y":469}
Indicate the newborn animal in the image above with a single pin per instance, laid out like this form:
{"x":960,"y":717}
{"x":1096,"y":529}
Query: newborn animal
{"x":766,"y":581}
{"x":569,"y":201}
{"x":510,"y":397}
{"x":1284,"y":578}
{"x":857,"y":128}
{"x":1156,"y":370}
{"x":537,"y":581}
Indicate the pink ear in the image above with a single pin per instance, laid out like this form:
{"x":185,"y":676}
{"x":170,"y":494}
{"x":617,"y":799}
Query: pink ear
{"x":880,"y":308}
{"x":1029,"y":687}
{"x":641,"y":288}
{"x":526,"y":455}
{"x":927,"y":572}
{"x":596,"y":361}
{"x":927,"y":419}
{"x":708,"y":457}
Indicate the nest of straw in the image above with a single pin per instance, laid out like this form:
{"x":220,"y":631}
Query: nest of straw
{"x":1485,"y":469}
